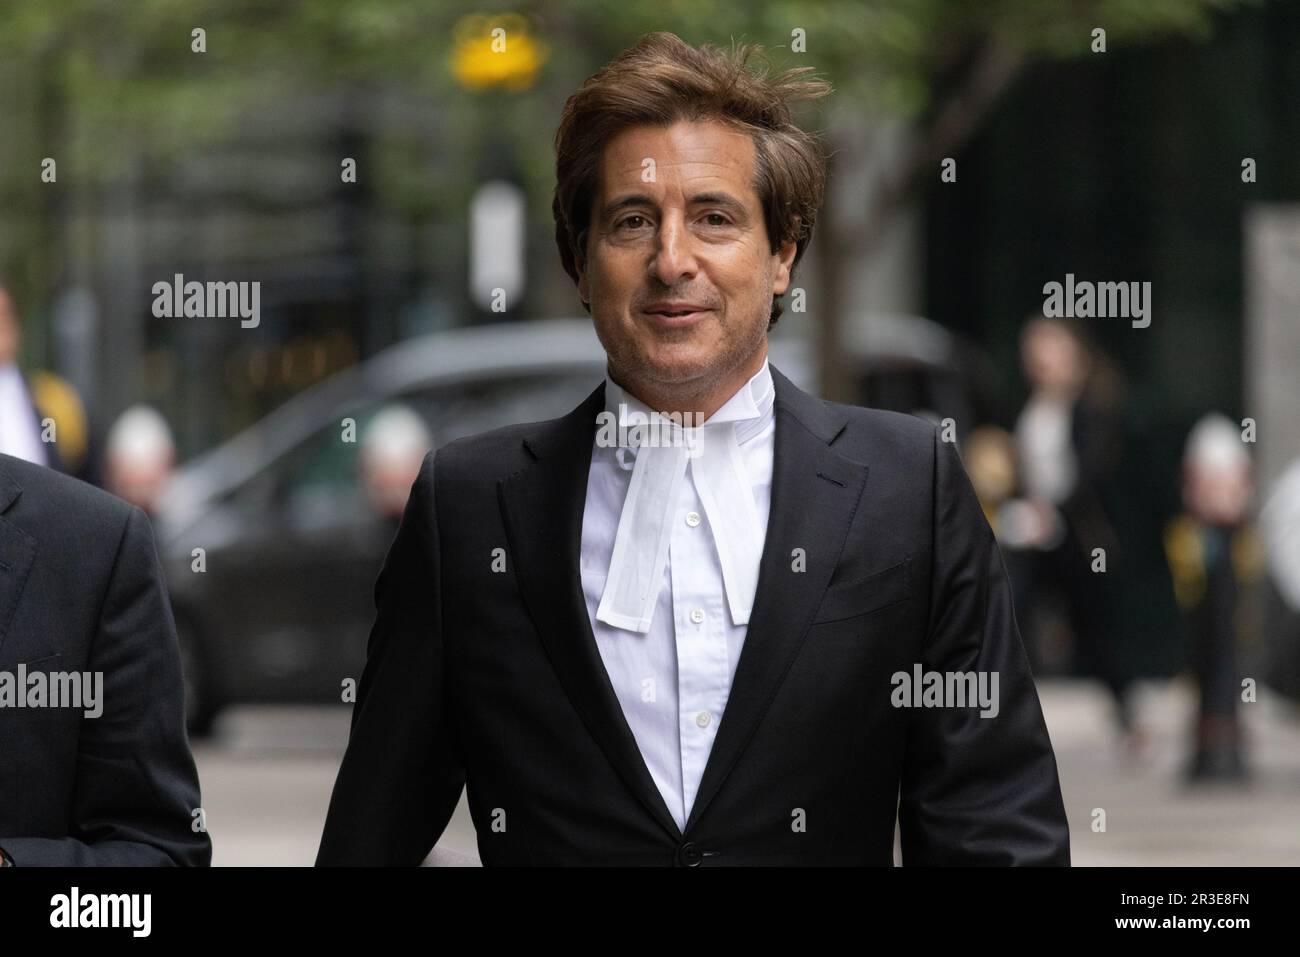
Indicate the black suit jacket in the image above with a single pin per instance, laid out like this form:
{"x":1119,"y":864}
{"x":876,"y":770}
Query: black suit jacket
{"x":81,"y":590}
{"x":495,"y":678}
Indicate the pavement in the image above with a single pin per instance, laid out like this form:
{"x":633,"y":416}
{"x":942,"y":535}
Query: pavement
{"x":267,"y":773}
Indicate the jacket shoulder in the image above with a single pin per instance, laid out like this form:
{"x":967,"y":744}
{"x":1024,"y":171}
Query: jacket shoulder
{"x":909,"y":427}
{"x":487,"y":456}
{"x":878,"y":434}
{"x":50,"y":492}
{"x":66,"y":517}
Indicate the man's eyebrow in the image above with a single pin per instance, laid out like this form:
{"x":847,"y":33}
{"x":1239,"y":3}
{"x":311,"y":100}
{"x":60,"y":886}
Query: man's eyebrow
{"x":724,"y":200}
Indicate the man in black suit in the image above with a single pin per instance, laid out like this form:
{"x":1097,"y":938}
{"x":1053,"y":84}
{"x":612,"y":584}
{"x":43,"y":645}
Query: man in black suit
{"x":99,"y":771}
{"x":738,"y":643}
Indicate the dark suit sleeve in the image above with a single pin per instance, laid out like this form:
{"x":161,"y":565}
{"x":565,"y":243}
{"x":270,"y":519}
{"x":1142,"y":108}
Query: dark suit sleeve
{"x":402,"y":774}
{"x":977,"y":790}
{"x":136,"y":784}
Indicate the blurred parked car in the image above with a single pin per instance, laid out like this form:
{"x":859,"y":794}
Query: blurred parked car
{"x":272,"y":541}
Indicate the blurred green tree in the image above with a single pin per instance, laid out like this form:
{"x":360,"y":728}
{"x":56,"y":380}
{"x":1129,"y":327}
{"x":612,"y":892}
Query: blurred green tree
{"x":81,"y":77}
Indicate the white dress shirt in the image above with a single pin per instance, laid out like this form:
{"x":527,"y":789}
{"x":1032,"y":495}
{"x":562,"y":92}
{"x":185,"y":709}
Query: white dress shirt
{"x":1047,"y":458}
{"x":19,"y":431}
{"x":673,"y":680}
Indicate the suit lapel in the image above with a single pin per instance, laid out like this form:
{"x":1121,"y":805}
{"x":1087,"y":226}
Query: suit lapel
{"x":543,"y":505}
{"x":815,"y":492}
{"x":17,"y":549}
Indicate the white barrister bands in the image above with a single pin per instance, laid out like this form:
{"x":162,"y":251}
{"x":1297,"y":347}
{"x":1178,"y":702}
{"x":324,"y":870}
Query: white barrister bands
{"x":711,"y":455}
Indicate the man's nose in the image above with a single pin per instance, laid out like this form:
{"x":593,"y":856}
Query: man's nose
{"x":674,"y":252}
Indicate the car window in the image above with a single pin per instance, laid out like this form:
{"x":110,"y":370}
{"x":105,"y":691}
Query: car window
{"x":321,"y":482}
{"x":486,"y":405}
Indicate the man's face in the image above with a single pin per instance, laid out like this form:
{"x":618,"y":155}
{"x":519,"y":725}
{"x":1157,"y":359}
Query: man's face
{"x":679,"y":272}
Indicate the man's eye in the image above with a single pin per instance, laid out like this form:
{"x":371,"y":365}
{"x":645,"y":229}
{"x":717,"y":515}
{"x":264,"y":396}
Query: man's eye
{"x":721,"y":217}
{"x":629,"y":222}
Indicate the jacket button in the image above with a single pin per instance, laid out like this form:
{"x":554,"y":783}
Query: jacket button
{"x":689,"y":855}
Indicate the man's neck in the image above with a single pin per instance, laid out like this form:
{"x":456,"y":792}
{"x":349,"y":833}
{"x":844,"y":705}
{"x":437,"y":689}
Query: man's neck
{"x":698,"y":403}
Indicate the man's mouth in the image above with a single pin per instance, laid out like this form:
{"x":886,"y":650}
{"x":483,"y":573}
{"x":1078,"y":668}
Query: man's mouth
{"x":676,"y":314}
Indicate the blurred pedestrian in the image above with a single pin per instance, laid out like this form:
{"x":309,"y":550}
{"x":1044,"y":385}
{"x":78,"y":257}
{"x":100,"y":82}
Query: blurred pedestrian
{"x":139,"y":457}
{"x":42,"y":419}
{"x":1069,"y":437}
{"x":393,"y":448}
{"x":1214,"y":554}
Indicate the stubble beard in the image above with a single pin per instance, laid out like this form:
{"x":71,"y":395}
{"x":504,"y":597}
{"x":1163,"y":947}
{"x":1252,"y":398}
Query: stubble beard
{"x":677,"y":383}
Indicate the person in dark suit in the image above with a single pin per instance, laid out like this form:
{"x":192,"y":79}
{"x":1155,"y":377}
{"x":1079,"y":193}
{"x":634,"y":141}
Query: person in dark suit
{"x":694,"y":621}
{"x":100,"y":774}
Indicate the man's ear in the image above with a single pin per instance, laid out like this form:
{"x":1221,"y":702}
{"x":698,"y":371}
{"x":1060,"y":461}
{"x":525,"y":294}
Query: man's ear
{"x":784,"y":262}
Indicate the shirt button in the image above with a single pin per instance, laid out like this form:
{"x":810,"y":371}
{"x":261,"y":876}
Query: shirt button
{"x":697,"y":615}
{"x":703,"y":719}
{"x":692,"y":519}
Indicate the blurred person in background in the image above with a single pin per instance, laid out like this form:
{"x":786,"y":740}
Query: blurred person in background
{"x":42,"y":419}
{"x":989,"y":457}
{"x":393,"y":448}
{"x":1214,"y":555}
{"x":139,"y":456}
{"x":1069,"y":440}
{"x":1020,"y":525}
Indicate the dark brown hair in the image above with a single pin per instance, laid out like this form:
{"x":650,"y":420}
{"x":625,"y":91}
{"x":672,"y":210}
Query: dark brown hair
{"x":663,"y":79}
